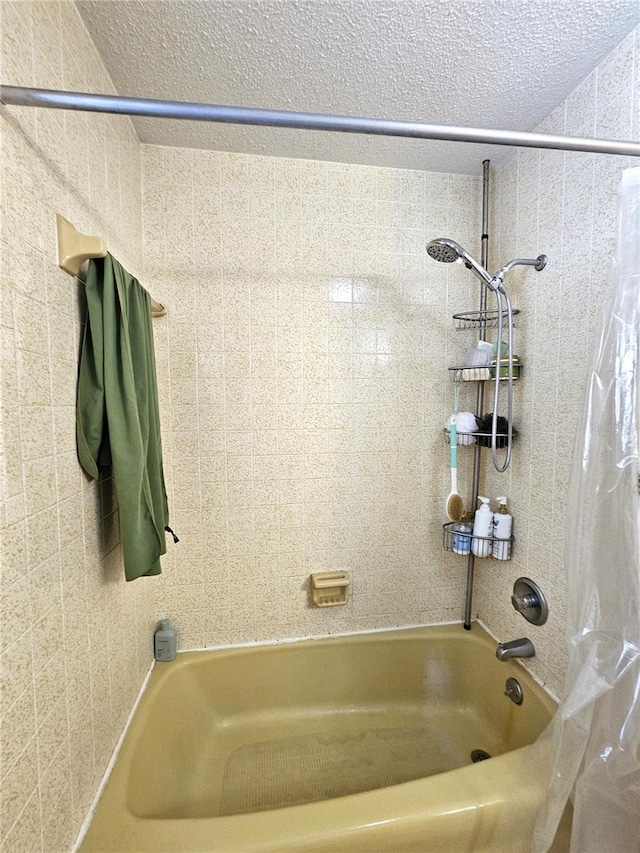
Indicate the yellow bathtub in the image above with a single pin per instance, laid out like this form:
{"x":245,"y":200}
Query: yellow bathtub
{"x":357,"y":743}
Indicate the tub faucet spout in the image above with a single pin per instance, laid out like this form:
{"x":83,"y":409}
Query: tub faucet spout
{"x":522,"y":648}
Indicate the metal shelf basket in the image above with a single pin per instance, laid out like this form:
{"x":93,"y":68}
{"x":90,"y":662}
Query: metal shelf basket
{"x":465,"y":439}
{"x":481,"y":319}
{"x":460,"y":543}
{"x":484,"y":373}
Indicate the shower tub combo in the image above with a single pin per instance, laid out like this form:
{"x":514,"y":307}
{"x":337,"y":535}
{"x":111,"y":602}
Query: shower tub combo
{"x":364,"y":742}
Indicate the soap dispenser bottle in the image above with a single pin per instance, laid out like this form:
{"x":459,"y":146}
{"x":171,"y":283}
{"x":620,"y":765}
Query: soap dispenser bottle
{"x":165,"y":642}
{"x":482,"y":527}
{"x":502,"y":522}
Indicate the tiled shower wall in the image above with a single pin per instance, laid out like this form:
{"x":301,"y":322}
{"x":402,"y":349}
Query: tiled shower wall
{"x":75,"y":641}
{"x":562,"y":204}
{"x":304,"y":388}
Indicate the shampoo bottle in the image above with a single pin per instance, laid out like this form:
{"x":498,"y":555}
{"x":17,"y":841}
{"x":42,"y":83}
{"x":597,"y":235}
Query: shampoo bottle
{"x":482,"y":527}
{"x":502,"y":522}
{"x":165,"y":642}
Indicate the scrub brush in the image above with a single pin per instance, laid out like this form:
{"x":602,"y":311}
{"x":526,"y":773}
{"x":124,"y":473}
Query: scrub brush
{"x":455,"y":504}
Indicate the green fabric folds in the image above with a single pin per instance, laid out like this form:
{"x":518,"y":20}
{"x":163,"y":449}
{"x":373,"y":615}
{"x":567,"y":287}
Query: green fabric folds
{"x":118,"y":423}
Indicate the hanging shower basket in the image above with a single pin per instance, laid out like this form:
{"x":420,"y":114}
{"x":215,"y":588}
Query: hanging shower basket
{"x":481,"y":320}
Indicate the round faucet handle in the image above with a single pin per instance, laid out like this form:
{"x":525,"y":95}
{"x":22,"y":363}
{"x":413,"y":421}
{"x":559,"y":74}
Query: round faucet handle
{"x":529,"y":600}
{"x":524,"y":602}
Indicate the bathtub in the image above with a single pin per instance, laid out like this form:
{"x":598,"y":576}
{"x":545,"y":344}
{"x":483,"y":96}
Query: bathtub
{"x":354,"y":743}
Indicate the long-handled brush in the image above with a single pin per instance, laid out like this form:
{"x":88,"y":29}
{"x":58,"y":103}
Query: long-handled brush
{"x":455,"y":504}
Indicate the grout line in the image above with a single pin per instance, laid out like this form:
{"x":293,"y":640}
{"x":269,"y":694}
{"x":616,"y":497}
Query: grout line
{"x":223,"y":379}
{"x":6,"y":830}
{"x":198,"y":315}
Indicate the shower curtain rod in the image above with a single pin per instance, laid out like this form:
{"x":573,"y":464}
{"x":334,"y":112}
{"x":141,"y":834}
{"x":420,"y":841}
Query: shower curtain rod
{"x":52,"y":99}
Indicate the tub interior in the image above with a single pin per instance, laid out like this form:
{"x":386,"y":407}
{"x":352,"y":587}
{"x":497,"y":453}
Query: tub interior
{"x":243,"y":731}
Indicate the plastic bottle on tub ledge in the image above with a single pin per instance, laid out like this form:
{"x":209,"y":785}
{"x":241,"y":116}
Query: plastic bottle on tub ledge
{"x":165,"y":642}
{"x":483,"y":528}
{"x":502,"y":523}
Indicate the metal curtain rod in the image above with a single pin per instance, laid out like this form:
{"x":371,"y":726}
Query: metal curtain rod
{"x":26,"y":97}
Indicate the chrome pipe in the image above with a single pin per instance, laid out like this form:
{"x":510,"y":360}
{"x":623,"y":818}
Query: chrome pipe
{"x":484,"y":237}
{"x":477,"y":450}
{"x":538,"y":263}
{"x":152,"y":108}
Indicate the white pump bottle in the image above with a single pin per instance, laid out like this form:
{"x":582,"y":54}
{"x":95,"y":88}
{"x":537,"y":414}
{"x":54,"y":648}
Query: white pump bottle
{"x":502,"y":523}
{"x":483,"y":527}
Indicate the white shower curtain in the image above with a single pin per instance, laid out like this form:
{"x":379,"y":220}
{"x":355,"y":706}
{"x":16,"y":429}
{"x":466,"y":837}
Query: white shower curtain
{"x":595,"y":736}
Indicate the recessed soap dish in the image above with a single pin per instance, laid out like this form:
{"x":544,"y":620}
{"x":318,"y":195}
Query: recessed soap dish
{"x":329,"y":588}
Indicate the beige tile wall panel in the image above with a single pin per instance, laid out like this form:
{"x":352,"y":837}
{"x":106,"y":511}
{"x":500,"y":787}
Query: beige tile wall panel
{"x":562,"y":204}
{"x":75,"y":641}
{"x":304,"y":388}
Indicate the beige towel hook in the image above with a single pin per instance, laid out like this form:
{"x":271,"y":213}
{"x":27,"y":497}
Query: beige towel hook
{"x":74,"y":248}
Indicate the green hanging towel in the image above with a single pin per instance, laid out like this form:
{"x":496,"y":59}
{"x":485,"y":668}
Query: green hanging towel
{"x":118,"y":423}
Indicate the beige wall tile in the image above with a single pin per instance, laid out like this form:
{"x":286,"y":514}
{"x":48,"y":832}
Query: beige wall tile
{"x":18,"y":784}
{"x":26,"y":832}
{"x":19,"y":727}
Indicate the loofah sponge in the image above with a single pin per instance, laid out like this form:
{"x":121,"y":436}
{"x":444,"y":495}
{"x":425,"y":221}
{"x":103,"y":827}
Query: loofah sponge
{"x":465,"y":423}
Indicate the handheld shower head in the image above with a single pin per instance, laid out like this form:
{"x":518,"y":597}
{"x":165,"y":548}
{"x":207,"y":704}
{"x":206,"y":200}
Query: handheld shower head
{"x":444,"y":250}
{"x":447,"y":251}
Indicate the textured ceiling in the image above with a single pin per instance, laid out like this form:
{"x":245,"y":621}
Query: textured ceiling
{"x":485,"y":63}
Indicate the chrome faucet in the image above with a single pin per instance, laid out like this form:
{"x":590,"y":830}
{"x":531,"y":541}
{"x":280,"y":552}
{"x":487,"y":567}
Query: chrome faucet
{"x":522,"y":648}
